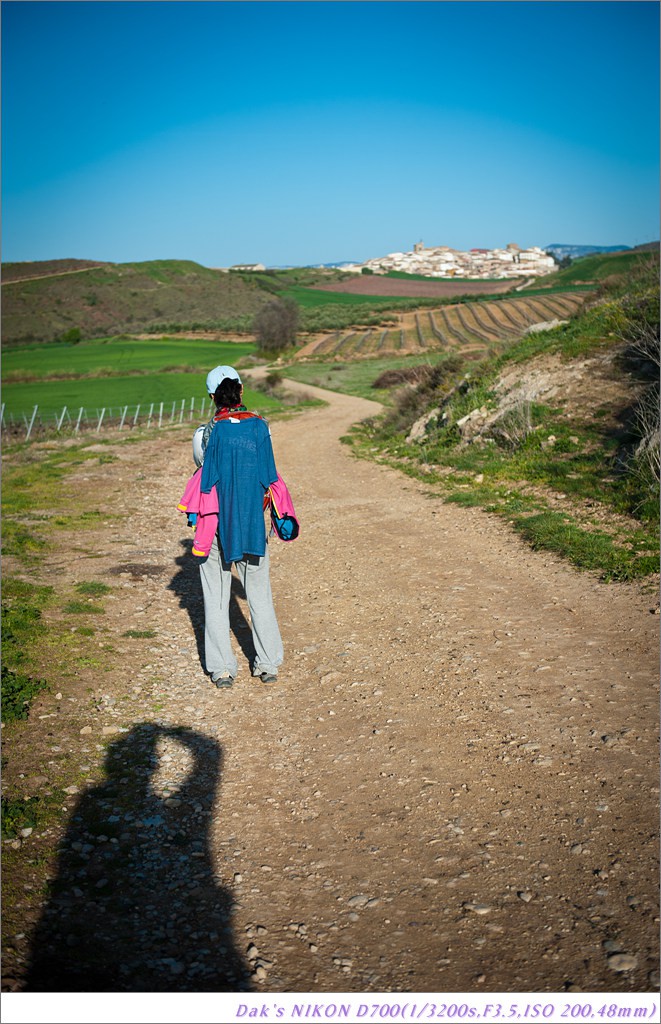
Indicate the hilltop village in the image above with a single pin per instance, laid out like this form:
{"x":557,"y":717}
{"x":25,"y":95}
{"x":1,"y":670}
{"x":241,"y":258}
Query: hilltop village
{"x":442,"y":261}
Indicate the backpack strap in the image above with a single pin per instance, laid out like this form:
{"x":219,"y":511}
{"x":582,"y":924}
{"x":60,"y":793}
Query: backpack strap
{"x":238,"y":413}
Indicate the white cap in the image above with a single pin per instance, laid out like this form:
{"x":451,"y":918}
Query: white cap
{"x":218,"y":374}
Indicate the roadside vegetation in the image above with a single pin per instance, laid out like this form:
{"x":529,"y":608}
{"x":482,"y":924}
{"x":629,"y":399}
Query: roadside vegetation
{"x":579,"y":478}
{"x":45,"y":630}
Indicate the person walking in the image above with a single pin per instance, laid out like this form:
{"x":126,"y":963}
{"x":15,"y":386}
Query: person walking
{"x":238,"y":461}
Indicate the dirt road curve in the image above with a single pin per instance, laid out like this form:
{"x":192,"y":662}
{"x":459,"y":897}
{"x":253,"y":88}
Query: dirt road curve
{"x":453,"y":786}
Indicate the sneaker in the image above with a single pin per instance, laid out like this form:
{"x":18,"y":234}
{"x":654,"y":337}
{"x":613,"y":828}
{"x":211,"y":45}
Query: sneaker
{"x":268,"y":677}
{"x":222,"y":682}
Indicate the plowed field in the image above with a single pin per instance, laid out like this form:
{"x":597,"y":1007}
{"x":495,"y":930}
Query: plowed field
{"x":467,"y":325}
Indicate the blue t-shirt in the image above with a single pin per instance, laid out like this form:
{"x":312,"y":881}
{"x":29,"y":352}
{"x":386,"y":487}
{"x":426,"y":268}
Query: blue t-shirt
{"x":239,"y":463}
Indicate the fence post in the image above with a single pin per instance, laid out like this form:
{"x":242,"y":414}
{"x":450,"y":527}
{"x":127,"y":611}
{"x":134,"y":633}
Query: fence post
{"x":2,"y":416}
{"x":103,"y":412}
{"x":34,"y":416}
{"x":181,"y":414}
{"x":151,"y":409}
{"x":135,"y":418}
{"x":174,"y":405}
{"x":126,"y":409}
{"x":160,"y":415}
{"x":61,"y":419}
{"x":192,"y":407}
{"x":80,"y":416}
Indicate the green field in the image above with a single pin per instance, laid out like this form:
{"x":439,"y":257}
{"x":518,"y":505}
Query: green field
{"x":311,"y":297}
{"x":119,"y":355}
{"x":117,"y":392}
{"x":116,"y":372}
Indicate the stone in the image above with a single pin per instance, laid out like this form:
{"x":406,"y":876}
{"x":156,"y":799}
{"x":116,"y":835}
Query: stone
{"x":622,"y":962}
{"x":477,"y":908}
{"x":472,"y":424}
{"x":419,"y":428}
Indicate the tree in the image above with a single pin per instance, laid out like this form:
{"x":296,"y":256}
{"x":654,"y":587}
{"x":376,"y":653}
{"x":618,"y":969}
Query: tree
{"x":275,"y":325}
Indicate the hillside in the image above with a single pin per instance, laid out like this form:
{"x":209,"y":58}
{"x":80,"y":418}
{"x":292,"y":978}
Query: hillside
{"x":28,"y":271}
{"x":597,"y":267}
{"x":120,"y":297}
{"x":44,"y":302}
{"x":558,"y":433}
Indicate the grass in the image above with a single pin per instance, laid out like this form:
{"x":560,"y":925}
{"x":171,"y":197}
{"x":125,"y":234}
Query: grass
{"x":312,"y":297}
{"x":32,"y":482}
{"x":120,"y":356}
{"x":117,"y":392}
{"x":22,"y":627}
{"x":93,"y":588}
{"x":356,"y":377}
{"x":586,"y":549}
{"x":116,"y":372}
{"x":29,"y":812}
{"x":82,"y":608}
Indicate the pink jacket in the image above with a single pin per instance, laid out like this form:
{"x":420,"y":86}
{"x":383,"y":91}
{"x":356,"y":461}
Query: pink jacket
{"x":281,"y":499}
{"x":205,"y":508}
{"x":284,"y":521}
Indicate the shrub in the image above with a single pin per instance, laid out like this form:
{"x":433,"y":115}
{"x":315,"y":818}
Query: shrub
{"x":413,"y":402}
{"x":403,"y":375}
{"x":275,"y":325}
{"x":71,"y":337}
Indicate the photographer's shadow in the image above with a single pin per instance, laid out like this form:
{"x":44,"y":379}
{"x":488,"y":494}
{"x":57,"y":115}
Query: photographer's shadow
{"x":136,"y":905}
{"x":188,"y":588}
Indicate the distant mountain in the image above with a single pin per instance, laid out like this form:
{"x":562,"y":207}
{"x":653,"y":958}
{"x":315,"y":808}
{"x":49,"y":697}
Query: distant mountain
{"x":338,"y":266}
{"x":560,"y":250}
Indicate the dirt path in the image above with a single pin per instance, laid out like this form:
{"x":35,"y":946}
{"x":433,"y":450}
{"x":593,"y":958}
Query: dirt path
{"x":453,"y":786}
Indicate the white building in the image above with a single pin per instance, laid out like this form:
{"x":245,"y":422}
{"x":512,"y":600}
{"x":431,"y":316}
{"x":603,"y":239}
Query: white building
{"x":442,"y":261}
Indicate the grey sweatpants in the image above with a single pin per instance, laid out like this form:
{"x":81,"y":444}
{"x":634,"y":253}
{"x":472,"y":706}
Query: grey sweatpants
{"x":253,"y":573}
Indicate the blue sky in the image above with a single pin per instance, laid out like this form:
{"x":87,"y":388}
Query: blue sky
{"x":308,"y":132}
